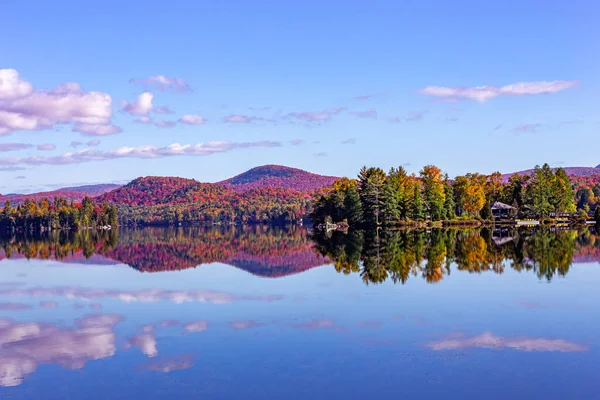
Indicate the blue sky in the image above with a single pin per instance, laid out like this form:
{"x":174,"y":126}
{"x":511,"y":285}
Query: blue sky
{"x":323,"y":86}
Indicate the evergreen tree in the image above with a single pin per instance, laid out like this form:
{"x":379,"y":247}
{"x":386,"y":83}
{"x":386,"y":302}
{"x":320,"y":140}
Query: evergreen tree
{"x":538,"y":191}
{"x":7,"y":211}
{"x":448,"y":200}
{"x":370,"y":187}
{"x":353,"y":206}
{"x":392,"y":198}
{"x":391,"y":209}
{"x":417,"y":212}
{"x":486,"y":211}
{"x":512,"y":193}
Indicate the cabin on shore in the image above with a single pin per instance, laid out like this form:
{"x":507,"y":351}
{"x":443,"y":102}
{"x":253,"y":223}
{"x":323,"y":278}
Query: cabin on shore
{"x":502,"y":211}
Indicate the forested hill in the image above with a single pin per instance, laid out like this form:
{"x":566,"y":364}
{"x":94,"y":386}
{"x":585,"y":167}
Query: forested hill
{"x":270,"y":193}
{"x":277,"y":176}
{"x":571,"y":171}
{"x":169,"y":200}
{"x":75,"y":193}
{"x":155,"y":190}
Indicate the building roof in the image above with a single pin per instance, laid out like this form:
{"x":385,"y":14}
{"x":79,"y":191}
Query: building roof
{"x":501,"y":206}
{"x":499,"y":241}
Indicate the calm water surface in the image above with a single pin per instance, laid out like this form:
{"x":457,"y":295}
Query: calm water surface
{"x":259,"y":313}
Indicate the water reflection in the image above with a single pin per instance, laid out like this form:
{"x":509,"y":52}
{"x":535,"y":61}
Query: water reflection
{"x":158,"y":332}
{"x":490,"y":341}
{"x":169,"y":364}
{"x":276,"y":252}
{"x":24,"y":346}
{"x":129,"y":296}
{"x":398,"y":255}
{"x":260,"y":250}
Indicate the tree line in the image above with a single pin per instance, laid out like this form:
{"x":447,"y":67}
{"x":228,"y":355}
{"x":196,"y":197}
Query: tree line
{"x":376,"y":198}
{"x":57,"y":214}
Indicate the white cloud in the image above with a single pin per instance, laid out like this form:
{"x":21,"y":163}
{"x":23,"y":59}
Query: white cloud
{"x":96,"y":129}
{"x":23,"y":108}
{"x":163,"y":110}
{"x":14,"y":146}
{"x":166,"y":124}
{"x":163,"y":83}
{"x":146,"y":151}
{"x":191,"y":119}
{"x":484,"y":93}
{"x":241,"y":119}
{"x":141,"y":106}
{"x":144,"y":120}
{"x":46,"y":147}
{"x":12,"y":86}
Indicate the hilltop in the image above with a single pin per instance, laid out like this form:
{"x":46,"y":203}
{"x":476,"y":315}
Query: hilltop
{"x":155,"y":190}
{"x":277,"y":176}
{"x":168,"y":200}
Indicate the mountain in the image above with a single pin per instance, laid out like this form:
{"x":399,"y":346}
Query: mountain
{"x":156,"y":190}
{"x":571,"y":171}
{"x":91,"y":190}
{"x":75,"y":193}
{"x":277,"y":176}
{"x":270,"y":193}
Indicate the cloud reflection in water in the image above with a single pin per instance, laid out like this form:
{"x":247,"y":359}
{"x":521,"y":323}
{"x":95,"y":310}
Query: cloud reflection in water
{"x":24,"y":346}
{"x":490,"y":341}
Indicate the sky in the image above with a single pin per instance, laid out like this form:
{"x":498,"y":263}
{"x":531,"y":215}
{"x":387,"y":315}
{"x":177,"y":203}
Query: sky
{"x":99,"y":92}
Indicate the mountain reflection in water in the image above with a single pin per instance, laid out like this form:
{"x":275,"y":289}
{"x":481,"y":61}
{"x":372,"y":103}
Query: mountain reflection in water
{"x":260,"y":250}
{"x":276,"y":252}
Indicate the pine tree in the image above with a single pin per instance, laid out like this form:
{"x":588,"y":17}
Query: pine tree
{"x":486,"y":211}
{"x":371,"y":185}
{"x":353,"y":207}
{"x":417,"y":212}
{"x":391,"y":206}
{"x":448,"y":201}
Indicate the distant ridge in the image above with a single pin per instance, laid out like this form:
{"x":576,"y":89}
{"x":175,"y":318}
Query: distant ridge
{"x":91,"y":190}
{"x":571,"y":171}
{"x":278,"y":176}
{"x":75,"y":193}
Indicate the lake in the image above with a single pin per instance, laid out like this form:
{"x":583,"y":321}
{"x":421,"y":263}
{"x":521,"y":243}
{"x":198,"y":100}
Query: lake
{"x":266,"y":313}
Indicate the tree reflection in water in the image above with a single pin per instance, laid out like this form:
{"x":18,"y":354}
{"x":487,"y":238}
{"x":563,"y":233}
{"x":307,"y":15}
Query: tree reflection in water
{"x":431,"y":254}
{"x":376,"y":256}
